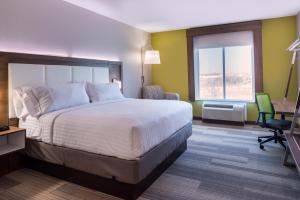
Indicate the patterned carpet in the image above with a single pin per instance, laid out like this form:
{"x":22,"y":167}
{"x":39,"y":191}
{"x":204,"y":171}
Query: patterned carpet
{"x":220,"y":164}
{"x":227,"y":164}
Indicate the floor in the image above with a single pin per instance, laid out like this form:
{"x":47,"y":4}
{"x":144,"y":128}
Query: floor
{"x":221,"y":163}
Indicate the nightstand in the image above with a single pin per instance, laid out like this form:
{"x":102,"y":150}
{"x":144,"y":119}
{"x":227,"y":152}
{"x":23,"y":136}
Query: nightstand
{"x":11,"y":142}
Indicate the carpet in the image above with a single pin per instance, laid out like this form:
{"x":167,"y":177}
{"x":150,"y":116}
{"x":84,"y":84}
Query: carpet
{"x":219,"y":164}
{"x":227,"y":164}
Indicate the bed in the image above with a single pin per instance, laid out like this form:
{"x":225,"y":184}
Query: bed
{"x":125,"y":139}
{"x":117,"y":146}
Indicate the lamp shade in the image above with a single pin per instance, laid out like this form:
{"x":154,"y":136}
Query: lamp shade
{"x":152,"y":57}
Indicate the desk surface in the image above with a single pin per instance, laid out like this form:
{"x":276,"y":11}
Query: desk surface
{"x":284,"y":107}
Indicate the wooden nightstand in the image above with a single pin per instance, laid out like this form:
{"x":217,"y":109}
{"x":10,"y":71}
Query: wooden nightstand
{"x":11,"y":141}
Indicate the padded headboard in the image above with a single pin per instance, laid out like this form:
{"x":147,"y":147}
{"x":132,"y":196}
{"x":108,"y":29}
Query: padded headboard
{"x":50,"y":75}
{"x":33,"y":70}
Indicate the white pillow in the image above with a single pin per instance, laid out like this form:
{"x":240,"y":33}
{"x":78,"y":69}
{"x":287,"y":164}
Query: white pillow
{"x":104,"y":91}
{"x":43,"y":99}
{"x":69,"y":95}
{"x":20,"y":109}
{"x":38,"y":100}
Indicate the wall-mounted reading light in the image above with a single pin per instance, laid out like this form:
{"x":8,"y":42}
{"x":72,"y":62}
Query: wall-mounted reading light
{"x":294,"y":47}
{"x":117,"y":81}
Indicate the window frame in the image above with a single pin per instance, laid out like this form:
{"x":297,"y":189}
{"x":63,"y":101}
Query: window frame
{"x":253,"y":26}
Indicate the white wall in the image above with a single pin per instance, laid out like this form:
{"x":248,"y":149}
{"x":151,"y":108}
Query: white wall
{"x":55,"y":27}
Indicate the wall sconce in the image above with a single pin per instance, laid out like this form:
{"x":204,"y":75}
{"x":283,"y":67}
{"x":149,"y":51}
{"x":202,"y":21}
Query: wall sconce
{"x":117,"y":81}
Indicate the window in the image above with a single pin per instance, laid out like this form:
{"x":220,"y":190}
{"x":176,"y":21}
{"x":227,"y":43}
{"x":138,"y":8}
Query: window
{"x":210,"y":83}
{"x":225,"y":73}
{"x":239,"y":73}
{"x":225,"y":62}
{"x":224,"y":66}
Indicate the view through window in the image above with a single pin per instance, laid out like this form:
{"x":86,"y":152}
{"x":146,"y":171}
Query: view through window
{"x":226,"y":73}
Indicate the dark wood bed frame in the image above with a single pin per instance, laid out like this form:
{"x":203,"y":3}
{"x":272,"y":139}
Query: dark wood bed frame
{"x":109,"y":186}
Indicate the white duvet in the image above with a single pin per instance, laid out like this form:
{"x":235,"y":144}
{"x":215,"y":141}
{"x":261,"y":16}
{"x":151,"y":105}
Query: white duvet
{"x":125,"y":128}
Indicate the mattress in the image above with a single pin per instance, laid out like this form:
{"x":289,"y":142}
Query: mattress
{"x":126,"y":128}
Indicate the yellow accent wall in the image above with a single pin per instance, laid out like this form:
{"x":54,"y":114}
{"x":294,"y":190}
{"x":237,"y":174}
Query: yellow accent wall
{"x":172,"y":73}
{"x":277,"y":35}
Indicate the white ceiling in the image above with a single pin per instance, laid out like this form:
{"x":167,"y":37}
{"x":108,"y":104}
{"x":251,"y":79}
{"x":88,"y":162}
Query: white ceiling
{"x":162,"y":15}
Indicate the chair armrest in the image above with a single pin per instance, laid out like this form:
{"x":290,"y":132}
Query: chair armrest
{"x":263,"y":114}
{"x":172,"y":96}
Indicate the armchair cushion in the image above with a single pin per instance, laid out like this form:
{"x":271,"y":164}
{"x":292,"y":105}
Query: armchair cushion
{"x":156,"y":92}
{"x":172,"y":96}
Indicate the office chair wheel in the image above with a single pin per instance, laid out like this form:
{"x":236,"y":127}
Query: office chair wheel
{"x":261,"y":146}
{"x":259,"y":140}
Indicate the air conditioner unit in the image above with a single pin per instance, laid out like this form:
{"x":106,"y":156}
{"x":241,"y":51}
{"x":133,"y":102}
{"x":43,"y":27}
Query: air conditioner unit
{"x":224,"y":111}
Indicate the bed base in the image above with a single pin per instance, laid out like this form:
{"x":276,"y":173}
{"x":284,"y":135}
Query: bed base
{"x":106,"y":185}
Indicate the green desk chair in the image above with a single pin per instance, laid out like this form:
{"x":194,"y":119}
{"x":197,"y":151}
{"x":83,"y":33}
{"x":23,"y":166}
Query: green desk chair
{"x":266,"y":120}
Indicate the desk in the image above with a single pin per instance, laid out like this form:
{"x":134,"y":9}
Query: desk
{"x":293,"y":149}
{"x":284,"y":107}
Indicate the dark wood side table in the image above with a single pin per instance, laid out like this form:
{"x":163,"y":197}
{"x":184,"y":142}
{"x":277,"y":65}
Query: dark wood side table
{"x":11,"y":142}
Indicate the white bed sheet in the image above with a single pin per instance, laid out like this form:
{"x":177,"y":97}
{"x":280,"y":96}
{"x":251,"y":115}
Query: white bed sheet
{"x":125,"y":128}
{"x":32,"y":126}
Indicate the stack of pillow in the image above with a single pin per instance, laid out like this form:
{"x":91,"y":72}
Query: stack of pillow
{"x":36,"y":101}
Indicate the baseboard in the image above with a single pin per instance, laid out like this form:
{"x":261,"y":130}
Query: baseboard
{"x":251,"y":122}
{"x":224,"y":121}
{"x":197,"y":118}
{"x":214,"y":121}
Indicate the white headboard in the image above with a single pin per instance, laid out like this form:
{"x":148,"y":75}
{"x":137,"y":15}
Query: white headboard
{"x":51,"y":75}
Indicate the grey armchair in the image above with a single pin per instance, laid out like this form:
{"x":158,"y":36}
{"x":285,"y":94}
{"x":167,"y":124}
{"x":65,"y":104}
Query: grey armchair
{"x":156,"y":92}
